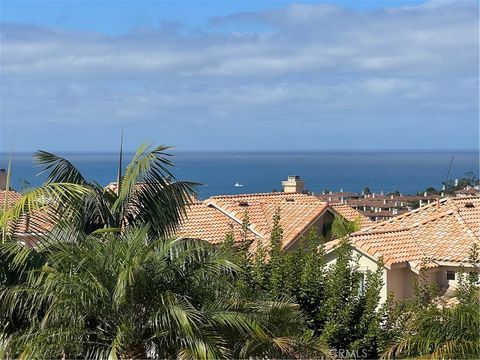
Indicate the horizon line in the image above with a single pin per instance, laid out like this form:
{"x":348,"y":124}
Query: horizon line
{"x":179,"y":150}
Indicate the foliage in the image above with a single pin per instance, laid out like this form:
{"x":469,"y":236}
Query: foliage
{"x":131,"y":296}
{"x":329,"y":297}
{"x":427,"y":326}
{"x":108,"y":281}
{"x":395,"y":193}
{"x":349,"y":314}
{"x":341,"y":227}
{"x":469,"y":179}
{"x":147,"y":194}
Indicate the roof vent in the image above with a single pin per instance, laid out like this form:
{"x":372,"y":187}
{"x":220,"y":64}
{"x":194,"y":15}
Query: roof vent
{"x":243,"y":203}
{"x":469,"y":205}
{"x":290,"y":199}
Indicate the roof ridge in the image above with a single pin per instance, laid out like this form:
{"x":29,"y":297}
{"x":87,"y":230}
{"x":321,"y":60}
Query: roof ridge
{"x":462,"y":221}
{"x":278,"y":193}
{"x":374,"y":232}
{"x":269,"y":227}
{"x":312,"y":221}
{"x":423,"y":250}
{"x":405,"y":215}
{"x":227,"y":211}
{"x":465,"y":198}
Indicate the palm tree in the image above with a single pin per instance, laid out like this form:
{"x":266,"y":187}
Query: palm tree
{"x":131,"y":296}
{"x":440,"y":333}
{"x":147,"y":194}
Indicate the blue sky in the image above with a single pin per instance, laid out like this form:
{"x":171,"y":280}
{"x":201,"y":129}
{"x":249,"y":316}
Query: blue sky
{"x":240,"y":74}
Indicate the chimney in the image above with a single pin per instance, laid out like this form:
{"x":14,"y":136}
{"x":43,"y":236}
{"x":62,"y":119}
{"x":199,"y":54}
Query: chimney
{"x":456,"y":182}
{"x":381,"y":192}
{"x":293,"y":184}
{"x":425,"y":194}
{"x":3,"y":179}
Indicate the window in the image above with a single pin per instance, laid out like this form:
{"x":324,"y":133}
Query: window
{"x":450,"y":275}
{"x":361,"y":284}
{"x":326,"y":229}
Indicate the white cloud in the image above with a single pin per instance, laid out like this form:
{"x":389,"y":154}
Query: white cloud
{"x":309,"y":63}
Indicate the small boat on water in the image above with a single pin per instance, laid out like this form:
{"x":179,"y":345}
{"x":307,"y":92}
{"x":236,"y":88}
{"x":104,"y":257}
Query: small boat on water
{"x":238,"y":185}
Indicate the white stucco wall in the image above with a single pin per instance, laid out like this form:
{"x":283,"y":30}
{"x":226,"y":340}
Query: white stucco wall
{"x":365,"y":263}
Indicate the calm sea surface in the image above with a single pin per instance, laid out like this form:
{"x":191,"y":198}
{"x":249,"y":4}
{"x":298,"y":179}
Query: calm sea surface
{"x":407,"y":171}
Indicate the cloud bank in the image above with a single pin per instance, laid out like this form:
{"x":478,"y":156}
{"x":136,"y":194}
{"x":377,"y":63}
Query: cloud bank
{"x":309,"y":76}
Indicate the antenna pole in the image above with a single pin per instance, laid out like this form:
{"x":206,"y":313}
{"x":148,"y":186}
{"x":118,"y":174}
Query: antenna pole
{"x":448,"y":172}
{"x":7,"y":186}
{"x":120,"y":158}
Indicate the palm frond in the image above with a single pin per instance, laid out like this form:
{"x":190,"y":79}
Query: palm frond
{"x":341,"y":227}
{"x":60,"y":170}
{"x":150,"y":194}
{"x":47,"y":205}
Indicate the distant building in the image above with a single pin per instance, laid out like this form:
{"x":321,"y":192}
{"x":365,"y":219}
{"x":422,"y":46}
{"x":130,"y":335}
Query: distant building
{"x":379,"y":207}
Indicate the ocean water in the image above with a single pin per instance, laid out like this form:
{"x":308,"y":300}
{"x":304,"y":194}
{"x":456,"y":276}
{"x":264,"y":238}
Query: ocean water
{"x":263,"y":171}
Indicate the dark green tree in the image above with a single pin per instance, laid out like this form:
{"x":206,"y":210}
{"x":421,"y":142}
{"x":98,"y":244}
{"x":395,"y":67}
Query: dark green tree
{"x":131,"y":296}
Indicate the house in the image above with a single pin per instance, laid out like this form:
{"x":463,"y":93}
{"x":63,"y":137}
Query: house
{"x":212,"y":219}
{"x":11,"y":196}
{"x":437,"y":238}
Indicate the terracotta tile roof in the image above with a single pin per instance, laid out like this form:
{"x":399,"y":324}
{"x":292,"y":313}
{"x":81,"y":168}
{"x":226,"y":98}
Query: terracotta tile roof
{"x":435,"y":233}
{"x":423,"y":213}
{"x":39,"y":222}
{"x":216,"y":214}
{"x":207,"y":223}
{"x":351,"y":214}
{"x":13,"y":197}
